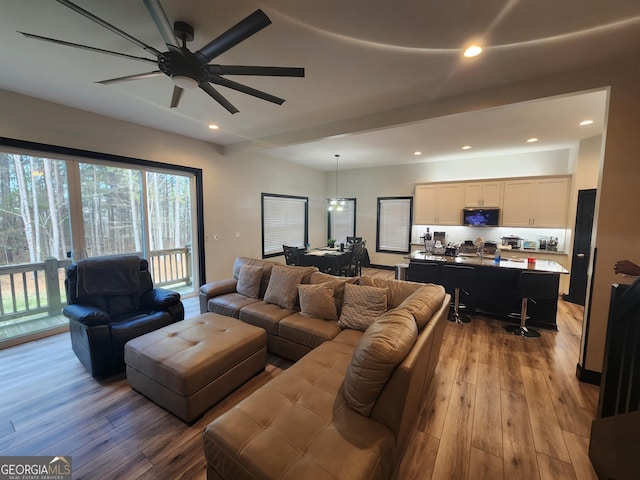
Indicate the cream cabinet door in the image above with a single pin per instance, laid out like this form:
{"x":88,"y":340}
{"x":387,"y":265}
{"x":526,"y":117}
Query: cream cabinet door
{"x":551,"y":199}
{"x":438,"y":204}
{"x":449,"y":204}
{"x":425,"y":205}
{"x":517,"y":210}
{"x":483,"y":194}
{"x":536,"y":203}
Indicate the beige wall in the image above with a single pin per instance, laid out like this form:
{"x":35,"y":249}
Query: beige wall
{"x":233,"y":184}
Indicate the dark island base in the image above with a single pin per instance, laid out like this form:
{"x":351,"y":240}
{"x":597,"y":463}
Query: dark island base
{"x":494,"y":293}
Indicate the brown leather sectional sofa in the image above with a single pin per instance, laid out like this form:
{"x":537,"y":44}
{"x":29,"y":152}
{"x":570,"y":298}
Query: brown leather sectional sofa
{"x":346,"y":408}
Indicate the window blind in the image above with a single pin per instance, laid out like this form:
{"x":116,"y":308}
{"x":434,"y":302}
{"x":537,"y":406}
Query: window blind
{"x":394,"y":224}
{"x":284,"y":222}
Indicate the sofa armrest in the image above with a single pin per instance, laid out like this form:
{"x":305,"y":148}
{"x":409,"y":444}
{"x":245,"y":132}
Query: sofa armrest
{"x":215,"y":289}
{"x":86,"y":315}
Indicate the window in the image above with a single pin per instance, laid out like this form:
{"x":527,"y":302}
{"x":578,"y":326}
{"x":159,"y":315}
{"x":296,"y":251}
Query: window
{"x":394,"y":224}
{"x":284,"y":222}
{"x":342,"y":224}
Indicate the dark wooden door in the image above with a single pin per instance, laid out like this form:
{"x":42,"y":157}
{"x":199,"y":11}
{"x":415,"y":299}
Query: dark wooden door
{"x":581,"y":246}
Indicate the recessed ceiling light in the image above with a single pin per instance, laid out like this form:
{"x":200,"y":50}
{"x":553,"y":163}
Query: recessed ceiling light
{"x":417,"y":153}
{"x":586,"y":122}
{"x":473,"y":51}
{"x":532,"y":139}
{"x":466,"y":147}
{"x":213,"y":126}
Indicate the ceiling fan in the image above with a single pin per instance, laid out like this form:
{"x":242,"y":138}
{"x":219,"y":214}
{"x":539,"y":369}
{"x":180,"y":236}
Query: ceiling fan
{"x":188,"y":69}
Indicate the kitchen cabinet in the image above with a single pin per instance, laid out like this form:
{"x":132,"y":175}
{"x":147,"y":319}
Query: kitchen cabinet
{"x":483,"y":194}
{"x":536,"y":202}
{"x":438,"y":204}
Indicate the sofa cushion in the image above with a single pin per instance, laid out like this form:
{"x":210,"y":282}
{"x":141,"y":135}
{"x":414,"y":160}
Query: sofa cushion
{"x":362,"y":305}
{"x":379,"y":351}
{"x":249,"y":280}
{"x":317,"y":301}
{"x":230,"y":304}
{"x":338,"y":284}
{"x":310,"y":332}
{"x":423,"y":303}
{"x":283,"y":285}
{"x":398,"y":289}
{"x":264,"y":315}
{"x":298,"y":426}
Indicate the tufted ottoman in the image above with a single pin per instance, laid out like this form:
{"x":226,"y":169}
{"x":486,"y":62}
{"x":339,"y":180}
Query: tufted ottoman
{"x":188,"y":366}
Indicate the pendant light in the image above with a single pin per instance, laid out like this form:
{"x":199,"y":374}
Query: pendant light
{"x":336,"y":204}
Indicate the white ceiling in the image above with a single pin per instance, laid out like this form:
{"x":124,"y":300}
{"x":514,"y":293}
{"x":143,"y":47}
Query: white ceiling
{"x":362,"y":57}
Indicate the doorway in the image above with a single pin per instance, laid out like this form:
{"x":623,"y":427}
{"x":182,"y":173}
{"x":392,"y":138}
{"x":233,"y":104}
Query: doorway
{"x":581,"y":247}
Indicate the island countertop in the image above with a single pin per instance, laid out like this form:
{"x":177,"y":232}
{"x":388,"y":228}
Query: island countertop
{"x":547,"y":266}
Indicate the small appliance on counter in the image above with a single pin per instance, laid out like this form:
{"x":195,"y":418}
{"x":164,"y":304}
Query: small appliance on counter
{"x":530,"y":245}
{"x":512,"y":241}
{"x":552,"y":244}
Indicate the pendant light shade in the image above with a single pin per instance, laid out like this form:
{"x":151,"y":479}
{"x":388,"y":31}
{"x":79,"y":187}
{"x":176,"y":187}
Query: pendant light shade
{"x":336,"y":204}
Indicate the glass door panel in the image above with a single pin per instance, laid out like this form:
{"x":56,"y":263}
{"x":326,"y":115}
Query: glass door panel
{"x":111,"y":209}
{"x":35,"y":235}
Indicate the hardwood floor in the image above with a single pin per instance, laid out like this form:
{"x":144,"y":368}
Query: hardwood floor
{"x":500,"y":407}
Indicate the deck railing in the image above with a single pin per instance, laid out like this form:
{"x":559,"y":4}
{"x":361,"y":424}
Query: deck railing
{"x":33,"y":288}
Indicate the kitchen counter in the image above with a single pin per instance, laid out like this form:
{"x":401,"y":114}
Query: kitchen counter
{"x":548,"y":266}
{"x":494,"y":291}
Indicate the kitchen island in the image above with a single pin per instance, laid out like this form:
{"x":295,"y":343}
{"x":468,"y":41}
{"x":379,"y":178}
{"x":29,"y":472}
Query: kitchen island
{"x":494,"y":290}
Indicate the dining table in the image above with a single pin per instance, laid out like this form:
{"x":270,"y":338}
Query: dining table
{"x":327,"y":259}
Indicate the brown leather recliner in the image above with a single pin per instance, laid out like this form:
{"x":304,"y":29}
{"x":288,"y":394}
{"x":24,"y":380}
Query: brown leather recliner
{"x":110,"y":301}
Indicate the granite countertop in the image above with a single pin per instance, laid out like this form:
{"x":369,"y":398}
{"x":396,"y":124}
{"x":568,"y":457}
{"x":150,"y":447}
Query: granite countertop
{"x":538,"y":266}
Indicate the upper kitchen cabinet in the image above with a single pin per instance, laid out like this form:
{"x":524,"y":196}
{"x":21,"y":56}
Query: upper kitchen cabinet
{"x":483,"y":194}
{"x":536,"y":202}
{"x":438,"y":204}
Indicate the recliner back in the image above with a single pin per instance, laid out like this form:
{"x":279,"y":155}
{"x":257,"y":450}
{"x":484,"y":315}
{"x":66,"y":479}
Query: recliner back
{"x":114,"y":305}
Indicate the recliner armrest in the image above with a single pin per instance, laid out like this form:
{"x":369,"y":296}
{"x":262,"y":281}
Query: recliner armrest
{"x":160,"y":299}
{"x":86,"y":315}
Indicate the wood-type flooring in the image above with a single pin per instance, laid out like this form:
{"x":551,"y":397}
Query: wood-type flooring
{"x":500,"y":407}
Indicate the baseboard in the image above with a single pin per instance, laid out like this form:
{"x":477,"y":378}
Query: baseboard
{"x":588,"y":376}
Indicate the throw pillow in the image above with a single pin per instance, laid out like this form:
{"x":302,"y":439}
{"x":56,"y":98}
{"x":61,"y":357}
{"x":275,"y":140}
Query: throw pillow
{"x":362,"y":306}
{"x":249,"y":280}
{"x":379,"y":351}
{"x":317,"y":301}
{"x":283,"y":285}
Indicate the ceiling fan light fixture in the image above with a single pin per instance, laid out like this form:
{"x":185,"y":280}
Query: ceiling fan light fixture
{"x":185,"y":82}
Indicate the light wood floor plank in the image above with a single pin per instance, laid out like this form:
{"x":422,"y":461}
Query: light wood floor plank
{"x":484,"y":466}
{"x":435,"y":411}
{"x":420,"y":457}
{"x":519,"y":450}
{"x":547,"y":435}
{"x":553,"y":469}
{"x":452,"y":460}
{"x":579,"y":451}
{"x":487,"y":419}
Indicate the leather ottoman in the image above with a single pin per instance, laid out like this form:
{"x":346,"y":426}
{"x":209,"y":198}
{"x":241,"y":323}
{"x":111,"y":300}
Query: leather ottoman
{"x":189,"y":366}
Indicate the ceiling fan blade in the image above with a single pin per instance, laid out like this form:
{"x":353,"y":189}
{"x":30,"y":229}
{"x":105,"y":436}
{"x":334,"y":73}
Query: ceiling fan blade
{"x":218,"y":97}
{"x":177,"y":95}
{"x":86,"y":47}
{"x":108,"y":26}
{"x":162,"y":22}
{"x":225,"y":82}
{"x":137,"y":76}
{"x":236,"y":34}
{"x":254,"y":70}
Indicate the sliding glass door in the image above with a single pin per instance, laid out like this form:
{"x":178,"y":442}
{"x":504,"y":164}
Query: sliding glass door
{"x":55,"y":211}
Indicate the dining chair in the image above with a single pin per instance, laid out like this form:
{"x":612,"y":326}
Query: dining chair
{"x":353,"y":240}
{"x":353,"y":268}
{"x":291,"y":255}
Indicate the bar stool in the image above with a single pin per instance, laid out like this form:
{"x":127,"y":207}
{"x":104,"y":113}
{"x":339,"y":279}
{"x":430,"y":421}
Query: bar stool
{"x":423,"y":272}
{"x":531,"y":285}
{"x":454,"y":279}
